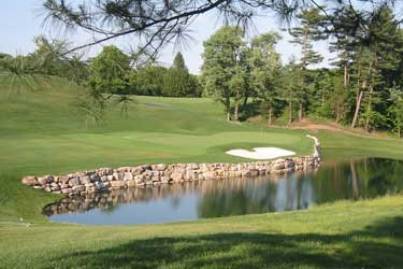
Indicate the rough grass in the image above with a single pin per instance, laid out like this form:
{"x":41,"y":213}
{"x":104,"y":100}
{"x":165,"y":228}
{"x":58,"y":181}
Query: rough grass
{"x":43,"y":132}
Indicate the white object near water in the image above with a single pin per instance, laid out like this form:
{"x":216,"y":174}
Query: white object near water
{"x":267,"y":153}
{"x":261,"y":153}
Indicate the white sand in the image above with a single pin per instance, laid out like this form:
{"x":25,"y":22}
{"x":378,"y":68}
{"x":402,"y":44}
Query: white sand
{"x":261,"y":153}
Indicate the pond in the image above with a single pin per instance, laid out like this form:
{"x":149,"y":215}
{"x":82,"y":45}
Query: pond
{"x":334,"y":180}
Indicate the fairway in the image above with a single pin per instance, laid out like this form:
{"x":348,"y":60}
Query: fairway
{"x":44,"y":132}
{"x":173,"y":135}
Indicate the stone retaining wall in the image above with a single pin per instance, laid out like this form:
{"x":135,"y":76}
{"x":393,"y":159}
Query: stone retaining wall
{"x":104,"y":179}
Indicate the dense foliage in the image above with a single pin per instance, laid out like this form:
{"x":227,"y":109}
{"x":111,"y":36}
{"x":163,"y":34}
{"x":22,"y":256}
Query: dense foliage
{"x":363,"y":89}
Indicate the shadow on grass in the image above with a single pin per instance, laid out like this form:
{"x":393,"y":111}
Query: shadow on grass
{"x":379,"y":246}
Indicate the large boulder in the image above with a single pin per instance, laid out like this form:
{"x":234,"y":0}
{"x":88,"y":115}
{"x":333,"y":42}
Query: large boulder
{"x":85,"y":180}
{"x":67,"y":190}
{"x":45,"y":180}
{"x":78,"y":188}
{"x":159,"y":167}
{"x":104,"y":171}
{"x":127,"y":176}
{"x":177,"y":176}
{"x":95,"y":177}
{"x":165,"y":180}
{"x":30,"y":181}
{"x":118,"y":184}
{"x":139,"y":179}
{"x":74,"y":181}
{"x":63,"y":179}
{"x":278,"y":164}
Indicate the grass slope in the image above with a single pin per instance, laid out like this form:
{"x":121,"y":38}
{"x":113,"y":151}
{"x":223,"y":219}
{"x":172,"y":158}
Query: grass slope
{"x":43,"y":132}
{"x":365,"y":234}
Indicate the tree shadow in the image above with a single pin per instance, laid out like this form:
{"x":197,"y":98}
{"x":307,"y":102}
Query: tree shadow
{"x":377,"y":246}
{"x":249,"y":110}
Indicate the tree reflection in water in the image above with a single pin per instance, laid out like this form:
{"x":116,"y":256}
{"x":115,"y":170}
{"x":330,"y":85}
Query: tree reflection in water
{"x":353,"y":179}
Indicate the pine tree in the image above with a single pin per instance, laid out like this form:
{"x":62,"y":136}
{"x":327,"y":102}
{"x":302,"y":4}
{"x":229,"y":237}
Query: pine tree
{"x":305,"y":35}
{"x":109,"y":71}
{"x":378,"y":55}
{"x":179,"y":62}
{"x":346,"y":23}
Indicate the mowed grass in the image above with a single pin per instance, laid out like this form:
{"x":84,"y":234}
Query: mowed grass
{"x":43,"y":132}
{"x":364,"y":234}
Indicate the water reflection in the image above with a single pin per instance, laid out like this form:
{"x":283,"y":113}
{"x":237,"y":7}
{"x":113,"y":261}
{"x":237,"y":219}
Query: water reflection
{"x":353,"y":179}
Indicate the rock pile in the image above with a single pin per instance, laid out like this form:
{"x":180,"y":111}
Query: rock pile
{"x":104,"y":179}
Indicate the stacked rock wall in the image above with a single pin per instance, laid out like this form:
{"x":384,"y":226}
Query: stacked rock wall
{"x":104,"y":179}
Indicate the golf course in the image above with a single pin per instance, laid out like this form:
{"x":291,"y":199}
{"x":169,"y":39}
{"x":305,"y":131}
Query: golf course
{"x":43,"y":132}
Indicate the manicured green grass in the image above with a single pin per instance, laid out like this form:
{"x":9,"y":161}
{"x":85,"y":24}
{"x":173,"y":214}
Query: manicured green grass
{"x":365,"y":234}
{"x":43,"y":132}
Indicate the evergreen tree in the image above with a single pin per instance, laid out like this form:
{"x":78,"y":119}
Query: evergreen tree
{"x":179,"y":62}
{"x":377,"y":57}
{"x":289,"y":84}
{"x":178,"y":82}
{"x":304,"y":35}
{"x":148,"y":80}
{"x":109,"y":71}
{"x":347,"y":30}
{"x":395,"y":110}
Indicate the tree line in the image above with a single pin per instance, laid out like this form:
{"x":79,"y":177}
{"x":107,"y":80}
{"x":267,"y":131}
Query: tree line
{"x":363,"y":88}
{"x":110,"y":72}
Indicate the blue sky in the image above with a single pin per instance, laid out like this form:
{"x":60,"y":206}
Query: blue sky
{"x":21,"y":21}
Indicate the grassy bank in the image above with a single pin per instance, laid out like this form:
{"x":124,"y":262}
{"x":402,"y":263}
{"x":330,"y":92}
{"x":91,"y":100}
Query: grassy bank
{"x":43,"y":132}
{"x":364,"y":234}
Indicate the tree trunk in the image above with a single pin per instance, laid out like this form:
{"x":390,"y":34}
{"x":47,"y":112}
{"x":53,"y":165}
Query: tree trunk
{"x":245,"y":100}
{"x":357,"y":109}
{"x":369,"y":107}
{"x":236,"y":110}
{"x":269,"y":121}
{"x":301,"y":112}
{"x":338,"y":116}
{"x":289,"y":112}
{"x":228,"y":108}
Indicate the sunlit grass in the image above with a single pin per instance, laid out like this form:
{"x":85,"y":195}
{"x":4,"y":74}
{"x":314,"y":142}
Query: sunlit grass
{"x":44,"y":132}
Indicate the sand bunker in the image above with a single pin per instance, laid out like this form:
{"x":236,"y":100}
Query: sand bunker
{"x":265,"y":153}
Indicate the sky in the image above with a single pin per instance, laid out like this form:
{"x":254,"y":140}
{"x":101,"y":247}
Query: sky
{"x":22,"y":20}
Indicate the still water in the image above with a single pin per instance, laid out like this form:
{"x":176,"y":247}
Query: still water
{"x":354,"y":179}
